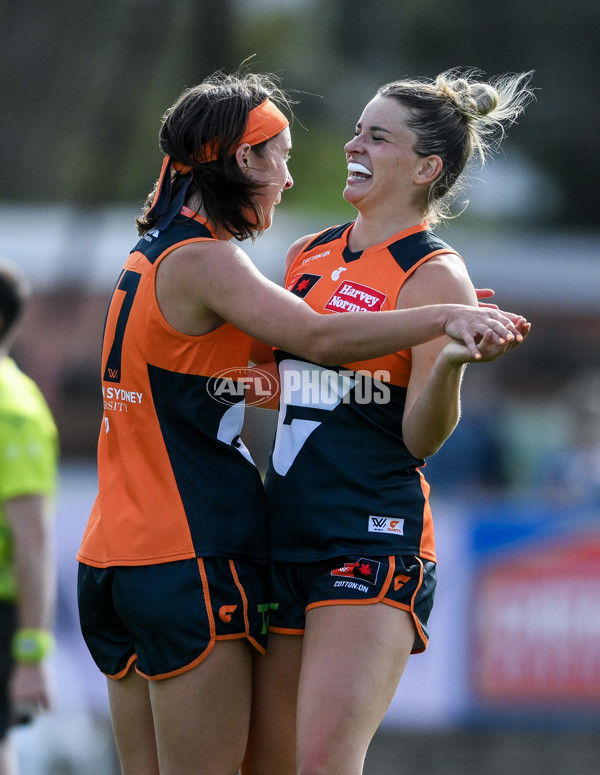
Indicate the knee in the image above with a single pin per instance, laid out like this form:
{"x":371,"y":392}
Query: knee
{"x":268,"y":765}
{"x":330,"y":756}
{"x":252,"y":766}
{"x":314,"y":761}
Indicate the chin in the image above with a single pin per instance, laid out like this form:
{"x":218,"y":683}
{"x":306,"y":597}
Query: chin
{"x":350,"y":196}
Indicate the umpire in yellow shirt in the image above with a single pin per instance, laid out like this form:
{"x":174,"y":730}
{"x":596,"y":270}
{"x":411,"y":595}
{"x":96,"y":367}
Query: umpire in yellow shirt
{"x":28,"y":463}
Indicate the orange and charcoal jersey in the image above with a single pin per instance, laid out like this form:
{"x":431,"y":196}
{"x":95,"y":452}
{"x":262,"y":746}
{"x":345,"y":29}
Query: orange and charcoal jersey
{"x":175,"y":481}
{"x":340,"y":477}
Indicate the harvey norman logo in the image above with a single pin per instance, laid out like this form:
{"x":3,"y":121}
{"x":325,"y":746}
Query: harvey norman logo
{"x":386,"y":525}
{"x":354,"y":297}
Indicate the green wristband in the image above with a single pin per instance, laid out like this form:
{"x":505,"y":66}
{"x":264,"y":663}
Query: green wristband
{"x":32,"y":645}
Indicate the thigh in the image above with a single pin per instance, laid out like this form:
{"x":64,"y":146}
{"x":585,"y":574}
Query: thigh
{"x":353,"y":659}
{"x":201,"y":717}
{"x":272,"y":739}
{"x":404,"y":582}
{"x":133,"y":725}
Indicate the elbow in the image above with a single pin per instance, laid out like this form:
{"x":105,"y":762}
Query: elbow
{"x":314,"y":352}
{"x":323,"y":355}
{"x":422,"y":445}
{"x":420,"y":450}
{"x":319,"y":346}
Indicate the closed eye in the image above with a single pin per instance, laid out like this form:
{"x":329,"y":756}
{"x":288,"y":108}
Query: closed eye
{"x":374,"y":137}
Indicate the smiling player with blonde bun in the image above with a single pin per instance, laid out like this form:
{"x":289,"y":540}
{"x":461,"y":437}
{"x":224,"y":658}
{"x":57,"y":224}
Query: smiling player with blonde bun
{"x":352,"y":544}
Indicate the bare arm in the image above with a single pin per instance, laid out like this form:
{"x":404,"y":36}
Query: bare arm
{"x":433,"y":398}
{"x":29,"y":519}
{"x":30,"y":522}
{"x":201,"y":285}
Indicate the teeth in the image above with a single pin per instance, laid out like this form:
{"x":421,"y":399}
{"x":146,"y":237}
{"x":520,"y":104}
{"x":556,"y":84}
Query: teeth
{"x":355,"y":167}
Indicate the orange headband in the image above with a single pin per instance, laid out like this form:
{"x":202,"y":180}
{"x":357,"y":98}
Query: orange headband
{"x":264,"y":122}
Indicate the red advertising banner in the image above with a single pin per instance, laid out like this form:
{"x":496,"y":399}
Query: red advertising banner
{"x":536,"y":626}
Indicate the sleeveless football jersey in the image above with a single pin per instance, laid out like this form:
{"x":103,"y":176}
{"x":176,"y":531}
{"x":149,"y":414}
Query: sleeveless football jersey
{"x":340,"y":477}
{"x":175,"y":481}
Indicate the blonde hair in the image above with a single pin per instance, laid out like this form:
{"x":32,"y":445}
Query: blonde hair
{"x":459,"y":118}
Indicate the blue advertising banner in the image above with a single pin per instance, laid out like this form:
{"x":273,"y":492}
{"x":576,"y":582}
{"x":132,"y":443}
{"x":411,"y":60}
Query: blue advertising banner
{"x":534,"y":606}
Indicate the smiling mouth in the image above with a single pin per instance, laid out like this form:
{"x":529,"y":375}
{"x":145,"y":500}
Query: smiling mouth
{"x":358,"y":171}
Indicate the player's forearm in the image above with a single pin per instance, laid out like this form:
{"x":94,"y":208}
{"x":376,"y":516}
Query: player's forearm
{"x":357,"y":336}
{"x":436,"y":411}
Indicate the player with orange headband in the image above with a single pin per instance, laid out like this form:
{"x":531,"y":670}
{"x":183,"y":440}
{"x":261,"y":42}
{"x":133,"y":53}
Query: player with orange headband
{"x":173,"y":562}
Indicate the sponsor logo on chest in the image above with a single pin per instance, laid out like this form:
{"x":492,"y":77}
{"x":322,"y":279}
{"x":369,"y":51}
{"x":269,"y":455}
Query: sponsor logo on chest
{"x":351,"y":296}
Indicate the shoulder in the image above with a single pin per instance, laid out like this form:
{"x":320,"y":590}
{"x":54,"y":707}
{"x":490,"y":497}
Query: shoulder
{"x":442,"y":279}
{"x":297,"y":247}
{"x":197,"y":259}
{"x":420,"y":243}
{"x":322,"y":237}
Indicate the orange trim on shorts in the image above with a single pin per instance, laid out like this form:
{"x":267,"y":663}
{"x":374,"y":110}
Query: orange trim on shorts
{"x":242,"y":592}
{"x":211,"y":643}
{"x":117,"y":677}
{"x":412,"y":605}
{"x":284,"y":631}
{"x":233,"y":636}
{"x":411,"y":610}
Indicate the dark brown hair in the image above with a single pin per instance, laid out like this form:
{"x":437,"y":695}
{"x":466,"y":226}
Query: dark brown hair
{"x":217,"y":108}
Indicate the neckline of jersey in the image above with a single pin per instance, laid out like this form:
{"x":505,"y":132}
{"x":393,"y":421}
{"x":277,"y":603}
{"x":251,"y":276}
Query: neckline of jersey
{"x":423,"y":226}
{"x":197,"y":217}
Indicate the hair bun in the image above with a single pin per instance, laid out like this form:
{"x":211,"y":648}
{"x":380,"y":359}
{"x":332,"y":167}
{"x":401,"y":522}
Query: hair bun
{"x":484,"y":96}
{"x":472,"y":99}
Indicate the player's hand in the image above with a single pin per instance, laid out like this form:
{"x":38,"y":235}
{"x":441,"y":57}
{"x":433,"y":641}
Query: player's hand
{"x":470,"y":325}
{"x":485,"y":293}
{"x":489,"y":348}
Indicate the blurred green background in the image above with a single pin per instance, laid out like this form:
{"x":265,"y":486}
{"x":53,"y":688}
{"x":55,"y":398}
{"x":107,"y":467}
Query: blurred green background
{"x":85,"y":83}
